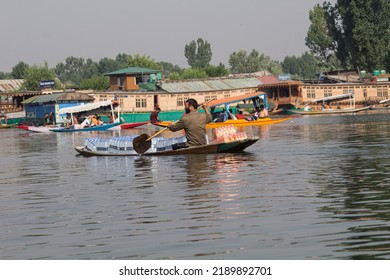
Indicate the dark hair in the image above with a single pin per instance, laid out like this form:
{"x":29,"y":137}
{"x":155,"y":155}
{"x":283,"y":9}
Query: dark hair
{"x":193,"y":103}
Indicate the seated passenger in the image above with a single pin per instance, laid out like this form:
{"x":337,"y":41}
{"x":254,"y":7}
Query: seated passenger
{"x":240,"y":115}
{"x":263,"y":112}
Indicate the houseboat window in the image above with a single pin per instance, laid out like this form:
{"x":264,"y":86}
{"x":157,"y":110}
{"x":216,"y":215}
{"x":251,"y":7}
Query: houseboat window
{"x":207,"y":98}
{"x":364,"y":92}
{"x":213,"y":97}
{"x":140,"y":102}
{"x":180,"y":102}
{"x":327,"y":92}
{"x":226,"y":95}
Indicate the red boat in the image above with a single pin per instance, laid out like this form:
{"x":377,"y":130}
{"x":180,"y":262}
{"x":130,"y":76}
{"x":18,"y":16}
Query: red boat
{"x":132,"y":125}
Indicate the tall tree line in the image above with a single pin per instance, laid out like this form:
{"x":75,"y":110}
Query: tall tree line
{"x":351,"y":34}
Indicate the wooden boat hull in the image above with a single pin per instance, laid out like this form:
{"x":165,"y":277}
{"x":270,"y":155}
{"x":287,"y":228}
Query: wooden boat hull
{"x":237,"y":123}
{"x":132,"y":125}
{"x":228,"y":147}
{"x":92,"y":128}
{"x":6,"y":125}
{"x":329,"y":111}
{"x":37,"y":129}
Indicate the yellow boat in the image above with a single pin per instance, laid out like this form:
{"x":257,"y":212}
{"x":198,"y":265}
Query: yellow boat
{"x":226,"y":102}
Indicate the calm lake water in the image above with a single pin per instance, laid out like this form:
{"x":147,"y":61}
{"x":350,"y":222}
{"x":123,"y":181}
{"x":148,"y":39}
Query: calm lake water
{"x":315,"y":187}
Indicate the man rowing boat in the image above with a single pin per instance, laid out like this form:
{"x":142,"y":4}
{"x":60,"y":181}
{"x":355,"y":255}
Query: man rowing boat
{"x":194,"y":123}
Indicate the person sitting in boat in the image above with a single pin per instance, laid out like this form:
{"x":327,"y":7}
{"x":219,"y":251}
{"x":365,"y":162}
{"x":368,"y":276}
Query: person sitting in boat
{"x":154,"y":116}
{"x":3,"y":117}
{"x":94,"y":120}
{"x":194,"y":123}
{"x":255,"y":116}
{"x":68,"y":121}
{"x":240,"y":115}
{"x":263,"y":113}
{"x":45,"y":119}
{"x":307,"y":108}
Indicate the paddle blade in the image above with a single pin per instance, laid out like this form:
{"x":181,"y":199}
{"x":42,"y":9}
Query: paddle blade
{"x":140,"y":144}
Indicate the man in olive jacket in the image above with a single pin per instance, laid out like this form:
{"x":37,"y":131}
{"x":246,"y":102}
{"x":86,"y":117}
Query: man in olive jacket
{"x":194,"y":123}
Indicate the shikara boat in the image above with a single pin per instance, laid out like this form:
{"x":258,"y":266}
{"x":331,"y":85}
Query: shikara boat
{"x":132,"y":125}
{"x":227,"y":102}
{"x":226,"y":147}
{"x":90,"y":128}
{"x":38,"y":129}
{"x":327,"y":100}
{"x":91,"y":107}
{"x":328,"y":111}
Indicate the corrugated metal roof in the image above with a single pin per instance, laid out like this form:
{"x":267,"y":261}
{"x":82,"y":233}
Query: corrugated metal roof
{"x":210,"y":85}
{"x":10,"y":85}
{"x":74,"y":96}
{"x":133,"y":70}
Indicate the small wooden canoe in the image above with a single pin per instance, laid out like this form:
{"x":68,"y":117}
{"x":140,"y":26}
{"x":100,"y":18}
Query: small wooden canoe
{"x":226,"y":147}
{"x":132,"y":125}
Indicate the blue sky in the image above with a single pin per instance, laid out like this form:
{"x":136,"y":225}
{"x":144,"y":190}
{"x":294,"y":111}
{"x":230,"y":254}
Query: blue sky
{"x":51,"y":30}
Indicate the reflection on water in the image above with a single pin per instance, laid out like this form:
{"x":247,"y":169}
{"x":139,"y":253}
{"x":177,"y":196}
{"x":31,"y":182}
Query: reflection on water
{"x":311,"y":188}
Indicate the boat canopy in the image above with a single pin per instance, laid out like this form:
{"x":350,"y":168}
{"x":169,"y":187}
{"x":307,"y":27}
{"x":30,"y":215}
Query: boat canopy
{"x":85,"y":107}
{"x":384,"y":101}
{"x":236,"y":99}
{"x":334,"y":97}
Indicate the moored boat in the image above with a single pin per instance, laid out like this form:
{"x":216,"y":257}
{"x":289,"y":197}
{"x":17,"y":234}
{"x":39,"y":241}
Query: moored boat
{"x":6,"y":125}
{"x":132,"y":125}
{"x":102,"y":127}
{"x":328,"y":111}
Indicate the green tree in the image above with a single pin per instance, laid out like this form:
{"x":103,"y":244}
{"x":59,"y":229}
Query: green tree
{"x":35,"y":74}
{"x":90,"y":69}
{"x":309,"y":66}
{"x":360,"y":32}
{"x":241,"y":62}
{"x":71,"y":70}
{"x":198,"y":53}
{"x":5,"y":76}
{"x":193,"y":73}
{"x":174,"y":76}
{"x":169,"y":68}
{"x":137,"y":60}
{"x":19,"y":70}
{"x":290,"y":65}
{"x":216,"y":71}
{"x":107,"y":65}
{"x":96,"y":83}
{"x":304,"y":67}
{"x":318,"y":38}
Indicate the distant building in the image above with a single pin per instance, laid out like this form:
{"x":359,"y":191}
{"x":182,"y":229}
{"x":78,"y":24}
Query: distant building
{"x":37,"y":106}
{"x":367,"y":90}
{"x":134,"y":79}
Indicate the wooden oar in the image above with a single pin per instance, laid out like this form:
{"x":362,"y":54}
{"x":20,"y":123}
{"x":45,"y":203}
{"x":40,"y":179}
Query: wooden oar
{"x":142,"y":143}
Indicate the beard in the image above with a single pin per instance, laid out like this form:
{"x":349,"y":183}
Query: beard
{"x":187,"y":110}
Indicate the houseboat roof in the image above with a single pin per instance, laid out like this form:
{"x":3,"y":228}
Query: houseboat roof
{"x":133,"y":71}
{"x":209,"y":85}
{"x":10,"y":85}
{"x":335,"y":97}
{"x":53,"y":98}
